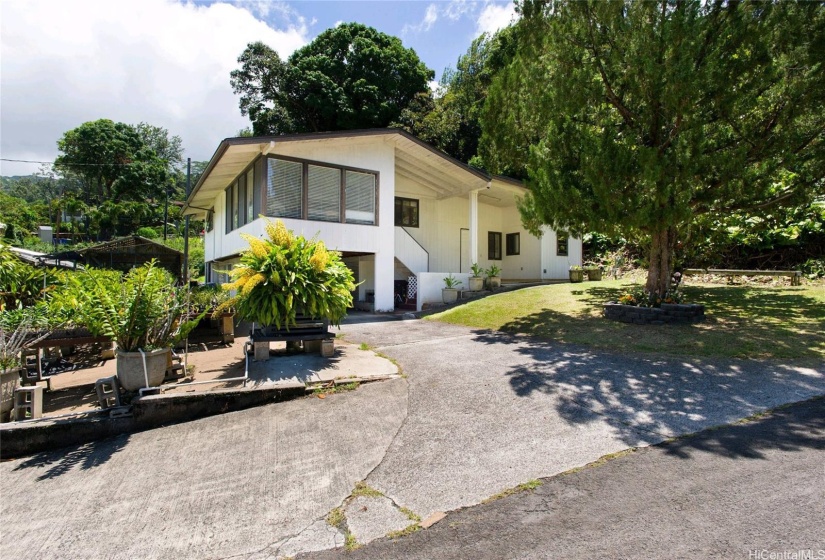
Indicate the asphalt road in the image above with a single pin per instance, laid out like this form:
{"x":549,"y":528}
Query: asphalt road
{"x":754,"y":491}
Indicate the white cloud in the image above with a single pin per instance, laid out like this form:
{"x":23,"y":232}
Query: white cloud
{"x":158,"y":61}
{"x":494,"y":17}
{"x":430,"y":17}
{"x":456,"y":9}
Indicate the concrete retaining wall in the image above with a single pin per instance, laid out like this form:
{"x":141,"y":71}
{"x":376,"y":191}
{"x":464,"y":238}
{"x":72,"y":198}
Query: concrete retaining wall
{"x":146,"y":413}
{"x":669,"y":313}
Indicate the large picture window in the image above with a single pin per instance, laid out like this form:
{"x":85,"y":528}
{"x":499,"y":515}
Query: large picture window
{"x":284,"y":189}
{"x":494,"y":245}
{"x":406,"y":212}
{"x":324,"y":194}
{"x":360,"y":197}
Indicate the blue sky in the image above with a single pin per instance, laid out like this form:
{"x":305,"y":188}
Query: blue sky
{"x":167,"y":62}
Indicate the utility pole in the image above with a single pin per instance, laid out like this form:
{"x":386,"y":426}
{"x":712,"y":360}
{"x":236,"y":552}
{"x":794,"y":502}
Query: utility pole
{"x":166,"y":212}
{"x":186,"y":227}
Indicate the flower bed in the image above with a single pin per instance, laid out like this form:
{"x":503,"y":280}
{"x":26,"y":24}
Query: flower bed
{"x":667,"y":314}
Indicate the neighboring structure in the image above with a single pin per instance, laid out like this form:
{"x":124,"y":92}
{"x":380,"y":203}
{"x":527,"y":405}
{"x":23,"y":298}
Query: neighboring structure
{"x":126,"y":253}
{"x":402,"y":213}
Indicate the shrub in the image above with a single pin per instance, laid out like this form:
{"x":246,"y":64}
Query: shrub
{"x":147,"y":232}
{"x":284,"y":275}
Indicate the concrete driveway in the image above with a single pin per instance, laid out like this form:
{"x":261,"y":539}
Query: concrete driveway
{"x":489,"y":411}
{"x":478,"y":413}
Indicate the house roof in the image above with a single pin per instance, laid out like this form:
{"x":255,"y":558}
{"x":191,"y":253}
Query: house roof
{"x":415,"y":159}
{"x":125,"y":253}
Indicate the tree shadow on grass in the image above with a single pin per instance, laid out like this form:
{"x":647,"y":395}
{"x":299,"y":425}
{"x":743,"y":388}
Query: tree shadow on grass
{"x":86,"y":456}
{"x":647,"y":399}
{"x":741,"y":321}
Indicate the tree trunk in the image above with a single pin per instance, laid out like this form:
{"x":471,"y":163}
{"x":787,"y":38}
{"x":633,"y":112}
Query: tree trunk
{"x":661,"y":261}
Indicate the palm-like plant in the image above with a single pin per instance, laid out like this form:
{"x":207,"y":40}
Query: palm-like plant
{"x":20,"y":329}
{"x":286,"y":275}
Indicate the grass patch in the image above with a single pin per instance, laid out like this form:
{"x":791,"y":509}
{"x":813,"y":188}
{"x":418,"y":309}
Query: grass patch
{"x":350,"y":543}
{"x":411,"y":515}
{"x":361,"y":489}
{"x":363,"y":346}
{"x":332,"y":388}
{"x":336,"y":517}
{"x":409,"y":530}
{"x":525,"y":487}
{"x":742,"y":321}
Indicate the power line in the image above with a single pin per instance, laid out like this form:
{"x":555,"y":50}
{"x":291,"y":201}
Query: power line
{"x":62,"y":164}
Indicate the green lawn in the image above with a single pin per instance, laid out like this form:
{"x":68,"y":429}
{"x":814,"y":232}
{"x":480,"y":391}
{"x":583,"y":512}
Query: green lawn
{"x":743,"y":321}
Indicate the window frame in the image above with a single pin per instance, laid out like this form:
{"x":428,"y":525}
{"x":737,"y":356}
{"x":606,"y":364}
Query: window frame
{"x":399,"y":219}
{"x":494,"y":248}
{"x":562,"y":240}
{"x":234,"y":196}
{"x":514,"y":248}
{"x":342,"y":185}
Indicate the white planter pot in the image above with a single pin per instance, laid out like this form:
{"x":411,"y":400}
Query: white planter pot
{"x":130,"y":368}
{"x":476,"y":283}
{"x":9,"y":381}
{"x":494,"y":281}
{"x":449,"y":295}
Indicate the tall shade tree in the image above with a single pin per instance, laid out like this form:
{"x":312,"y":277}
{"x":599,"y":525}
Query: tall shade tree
{"x":634,"y":118}
{"x":113,"y":162}
{"x":451,"y":120}
{"x":350,"y":76}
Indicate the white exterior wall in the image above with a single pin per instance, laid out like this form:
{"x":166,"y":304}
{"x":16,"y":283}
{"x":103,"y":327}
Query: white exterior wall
{"x":556,"y":267}
{"x":430,"y":285}
{"x":372,"y":154}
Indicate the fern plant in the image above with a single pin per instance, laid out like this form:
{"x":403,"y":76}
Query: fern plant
{"x":144,"y":311}
{"x":285,"y":275}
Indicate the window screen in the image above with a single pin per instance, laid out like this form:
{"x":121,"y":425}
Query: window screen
{"x":284,"y":190}
{"x":494,"y":245}
{"x":561,"y":244}
{"x":241,"y":186}
{"x":324,"y":194}
{"x":235,"y":205}
{"x":513,"y":244}
{"x":360,"y":197}
{"x":406,"y":212}
{"x":250,"y":196}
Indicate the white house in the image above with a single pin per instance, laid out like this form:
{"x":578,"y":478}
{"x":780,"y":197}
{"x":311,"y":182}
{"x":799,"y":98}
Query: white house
{"x":402,"y":213}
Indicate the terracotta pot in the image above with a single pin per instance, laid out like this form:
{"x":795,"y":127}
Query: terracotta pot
{"x":130,"y":368}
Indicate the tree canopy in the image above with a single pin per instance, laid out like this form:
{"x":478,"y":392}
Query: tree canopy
{"x":451,"y":121}
{"x":117,"y":161}
{"x":349,"y":77}
{"x":635,"y":118}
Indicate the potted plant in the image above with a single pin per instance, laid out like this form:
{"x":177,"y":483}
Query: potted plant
{"x":594,"y":272}
{"x":449,"y":293}
{"x":19,"y":329}
{"x":145,"y":316}
{"x":493,"y":277}
{"x":576,"y":274}
{"x":476,"y":281}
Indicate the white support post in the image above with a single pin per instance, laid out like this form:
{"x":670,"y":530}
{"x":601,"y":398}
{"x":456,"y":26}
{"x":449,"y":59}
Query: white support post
{"x":473,"y":227}
{"x":384,"y":279}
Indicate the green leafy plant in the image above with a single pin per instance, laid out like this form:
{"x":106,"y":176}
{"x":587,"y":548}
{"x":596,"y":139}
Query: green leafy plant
{"x":286,"y":275}
{"x":477,"y":270}
{"x":451,"y":282}
{"x":20,"y":329}
{"x":493,"y":271}
{"x":22,"y":285}
{"x":639,"y":297}
{"x":145,"y":311}
{"x":575,"y":267}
